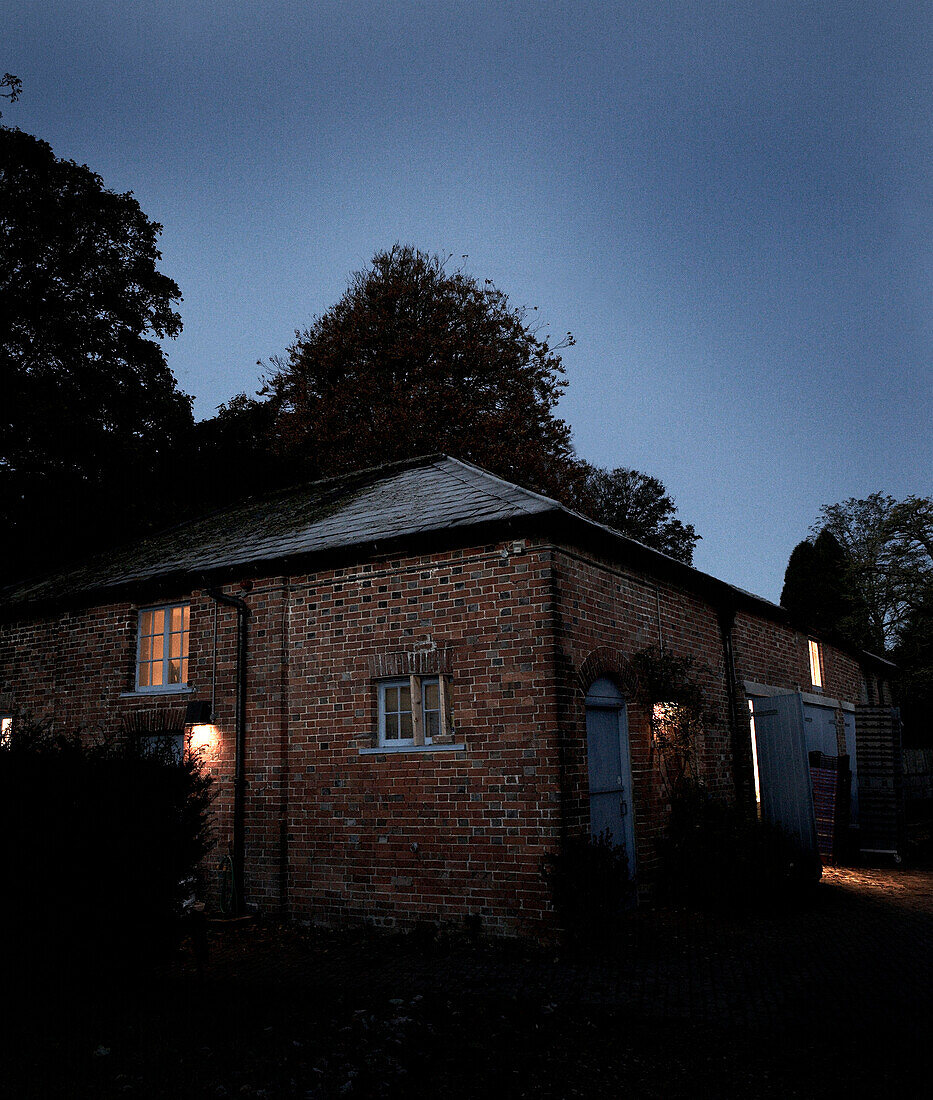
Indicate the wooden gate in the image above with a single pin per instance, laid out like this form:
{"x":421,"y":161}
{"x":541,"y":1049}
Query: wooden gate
{"x":881,"y":779}
{"x":784,"y":768}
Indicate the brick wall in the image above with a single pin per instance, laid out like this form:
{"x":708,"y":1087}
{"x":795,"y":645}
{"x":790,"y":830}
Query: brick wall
{"x":768,"y":653}
{"x":335,"y":832}
{"x":605,"y":615}
{"x":436,"y":835}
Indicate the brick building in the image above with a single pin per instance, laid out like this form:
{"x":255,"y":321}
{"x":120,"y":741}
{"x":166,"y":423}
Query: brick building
{"x":425,"y":673}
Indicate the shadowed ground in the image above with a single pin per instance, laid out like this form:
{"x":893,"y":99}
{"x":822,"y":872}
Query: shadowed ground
{"x":832,"y":999}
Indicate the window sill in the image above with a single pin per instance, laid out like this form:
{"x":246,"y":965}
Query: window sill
{"x":141,"y":693}
{"x":395,"y":750}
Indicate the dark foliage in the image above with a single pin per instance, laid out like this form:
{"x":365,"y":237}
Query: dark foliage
{"x":100,"y":846}
{"x":820,"y":591}
{"x":914,"y":655}
{"x":13,"y":87}
{"x":235,"y":454}
{"x":592,"y":887}
{"x":634,"y":503}
{"x":714,"y":855}
{"x":91,"y":415}
{"x":413,"y":360}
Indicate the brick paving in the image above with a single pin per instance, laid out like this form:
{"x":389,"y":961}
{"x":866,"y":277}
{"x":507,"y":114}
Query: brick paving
{"x":862,"y":952}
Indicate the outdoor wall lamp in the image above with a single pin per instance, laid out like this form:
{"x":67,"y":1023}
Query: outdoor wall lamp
{"x":198,"y":713}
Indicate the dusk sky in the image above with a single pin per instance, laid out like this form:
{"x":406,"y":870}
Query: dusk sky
{"x":729,"y":205}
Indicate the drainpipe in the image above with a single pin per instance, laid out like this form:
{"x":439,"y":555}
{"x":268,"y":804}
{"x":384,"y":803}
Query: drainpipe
{"x":239,"y":777}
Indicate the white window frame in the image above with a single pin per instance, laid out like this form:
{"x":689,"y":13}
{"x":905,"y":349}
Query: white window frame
{"x":163,"y":688}
{"x":417,"y":686}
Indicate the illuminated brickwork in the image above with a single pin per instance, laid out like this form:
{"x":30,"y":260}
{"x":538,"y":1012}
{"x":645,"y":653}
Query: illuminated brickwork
{"x":339,"y":831}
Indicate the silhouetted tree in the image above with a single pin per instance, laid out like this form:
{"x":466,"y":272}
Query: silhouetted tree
{"x":889,"y":544}
{"x":413,"y":359}
{"x":820,"y":590}
{"x":12,"y":87}
{"x":634,"y":503}
{"x":91,"y":417}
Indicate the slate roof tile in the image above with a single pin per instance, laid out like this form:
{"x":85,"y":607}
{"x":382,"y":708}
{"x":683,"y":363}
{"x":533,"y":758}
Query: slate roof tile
{"x":424,"y":495}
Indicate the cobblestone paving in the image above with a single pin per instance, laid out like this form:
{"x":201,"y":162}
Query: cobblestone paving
{"x":862,"y":951}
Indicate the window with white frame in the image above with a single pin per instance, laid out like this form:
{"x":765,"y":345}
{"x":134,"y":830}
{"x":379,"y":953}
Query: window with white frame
{"x":414,"y":712}
{"x":816,"y":664}
{"x":162,"y":648}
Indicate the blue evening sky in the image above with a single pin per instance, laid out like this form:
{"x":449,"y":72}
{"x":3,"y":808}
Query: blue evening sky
{"x":727,"y":204}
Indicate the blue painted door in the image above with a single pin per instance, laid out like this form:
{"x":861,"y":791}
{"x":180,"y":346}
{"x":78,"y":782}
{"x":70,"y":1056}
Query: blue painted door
{"x":610,"y":767}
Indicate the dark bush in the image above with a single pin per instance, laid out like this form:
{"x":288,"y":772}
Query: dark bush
{"x":100,"y":845}
{"x":716,"y":856}
{"x":592,"y":887}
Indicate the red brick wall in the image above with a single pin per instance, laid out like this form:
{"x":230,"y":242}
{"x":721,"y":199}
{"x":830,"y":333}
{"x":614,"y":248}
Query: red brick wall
{"x":433,"y":835}
{"x":336,"y":834}
{"x":605,"y":615}
{"x":383,"y":837}
{"x":768,"y":653}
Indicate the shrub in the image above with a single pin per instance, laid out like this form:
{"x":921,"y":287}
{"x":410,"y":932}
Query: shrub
{"x":714,"y":855}
{"x":100,"y":842}
{"x":592,"y":887}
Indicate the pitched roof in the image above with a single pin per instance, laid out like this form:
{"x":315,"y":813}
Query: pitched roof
{"x":381,"y":505}
{"x":374,"y":509}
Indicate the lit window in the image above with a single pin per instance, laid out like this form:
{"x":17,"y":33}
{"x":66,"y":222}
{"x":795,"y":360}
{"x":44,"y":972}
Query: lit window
{"x":162,"y":650}
{"x":6,"y":730}
{"x":816,"y":664}
{"x":414,"y":712}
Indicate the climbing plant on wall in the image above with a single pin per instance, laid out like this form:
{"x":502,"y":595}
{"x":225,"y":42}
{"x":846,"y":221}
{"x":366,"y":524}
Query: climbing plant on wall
{"x":667,"y":685}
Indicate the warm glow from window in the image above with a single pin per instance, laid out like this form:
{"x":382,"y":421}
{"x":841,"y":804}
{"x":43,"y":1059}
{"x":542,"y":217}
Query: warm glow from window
{"x":162,"y":654}
{"x":666,"y":712}
{"x":816,"y":668}
{"x":6,"y":726}
{"x":751,"y":722}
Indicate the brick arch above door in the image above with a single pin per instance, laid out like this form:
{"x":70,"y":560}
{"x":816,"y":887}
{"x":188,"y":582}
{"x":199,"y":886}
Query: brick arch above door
{"x":608,"y":663}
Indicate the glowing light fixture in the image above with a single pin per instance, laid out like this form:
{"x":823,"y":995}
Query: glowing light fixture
{"x":202,"y":733}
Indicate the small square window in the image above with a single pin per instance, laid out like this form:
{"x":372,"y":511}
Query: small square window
{"x":414,"y":712}
{"x":162,"y":648}
{"x":816,"y":664}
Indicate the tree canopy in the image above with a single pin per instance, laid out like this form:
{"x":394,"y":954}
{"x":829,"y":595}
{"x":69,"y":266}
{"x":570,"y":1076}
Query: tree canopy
{"x":91,"y":412}
{"x":636,"y":504}
{"x":820,"y":591}
{"x":414,"y":359}
{"x":889,"y":544}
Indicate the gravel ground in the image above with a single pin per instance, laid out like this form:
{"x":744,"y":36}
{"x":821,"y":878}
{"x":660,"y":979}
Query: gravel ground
{"x":831,"y":999}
